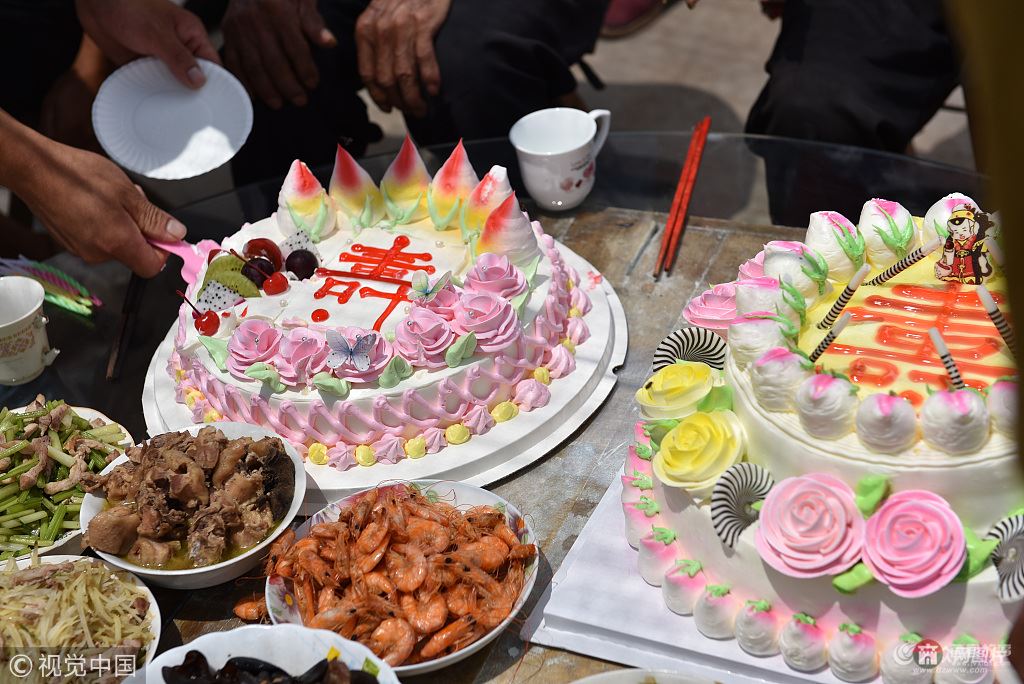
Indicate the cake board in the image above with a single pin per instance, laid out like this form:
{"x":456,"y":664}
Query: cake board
{"x":505,"y":449}
{"x":598,"y":594}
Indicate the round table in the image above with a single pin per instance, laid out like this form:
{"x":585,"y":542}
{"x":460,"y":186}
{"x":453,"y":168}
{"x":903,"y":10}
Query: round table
{"x":748,"y":191}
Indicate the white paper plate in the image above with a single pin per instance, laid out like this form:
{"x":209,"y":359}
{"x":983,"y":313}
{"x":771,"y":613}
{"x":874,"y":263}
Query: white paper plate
{"x":153,"y":125}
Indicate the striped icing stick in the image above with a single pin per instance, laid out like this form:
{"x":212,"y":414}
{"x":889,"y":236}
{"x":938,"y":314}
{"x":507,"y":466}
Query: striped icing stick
{"x":906,"y":262}
{"x":844,"y":297}
{"x":998,"y":320}
{"x":955,"y":379}
{"x":830,"y":337}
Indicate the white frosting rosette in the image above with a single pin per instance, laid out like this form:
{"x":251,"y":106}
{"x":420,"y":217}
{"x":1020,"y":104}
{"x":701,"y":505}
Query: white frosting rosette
{"x":1002,"y":406}
{"x":837,"y":240}
{"x":803,"y":644}
{"x":886,"y":423}
{"x":798,"y":265}
{"x":853,"y":654}
{"x":752,"y":335}
{"x":767,"y":294}
{"x":826,"y":405}
{"x":757,"y":630}
{"x":888,"y":230}
{"x":898,"y":666}
{"x":714,"y":614}
{"x":776,"y":376}
{"x":937,"y":216}
{"x":955,"y":422}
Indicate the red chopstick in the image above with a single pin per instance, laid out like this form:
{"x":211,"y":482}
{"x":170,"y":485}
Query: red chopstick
{"x":675,"y":226}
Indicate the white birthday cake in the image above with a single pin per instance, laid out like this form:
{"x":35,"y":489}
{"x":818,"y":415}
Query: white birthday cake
{"x":826,"y":469}
{"x":373,"y":324}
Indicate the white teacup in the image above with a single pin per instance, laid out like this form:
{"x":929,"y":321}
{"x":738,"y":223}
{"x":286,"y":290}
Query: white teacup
{"x":24,"y":349}
{"x":557,"y":149}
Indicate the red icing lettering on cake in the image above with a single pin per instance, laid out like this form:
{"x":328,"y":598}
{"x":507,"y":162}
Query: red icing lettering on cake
{"x":319,"y":315}
{"x":341,"y":289}
{"x":401,"y":295}
{"x":371,"y":262}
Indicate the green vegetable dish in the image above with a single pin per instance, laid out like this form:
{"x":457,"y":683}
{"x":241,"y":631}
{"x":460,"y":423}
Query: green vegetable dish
{"x":47,"y":454}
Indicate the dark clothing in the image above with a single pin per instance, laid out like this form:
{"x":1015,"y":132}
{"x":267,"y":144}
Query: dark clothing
{"x":499,"y":60}
{"x":869,"y":73}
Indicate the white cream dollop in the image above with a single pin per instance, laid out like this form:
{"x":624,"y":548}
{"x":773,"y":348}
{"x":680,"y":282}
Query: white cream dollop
{"x":955,"y":422}
{"x":937,"y":216}
{"x":751,"y":336}
{"x":884,"y":217}
{"x":886,"y":423}
{"x":682,"y":587}
{"x":795,"y":263}
{"x":803,"y":646}
{"x":714,"y":615}
{"x":1002,"y":406}
{"x":963,"y":665}
{"x":765,"y":294}
{"x":827,"y":231}
{"x":853,"y":657}
{"x":776,"y":376}
{"x":826,"y":406}
{"x":757,"y":630}
{"x":898,"y":666}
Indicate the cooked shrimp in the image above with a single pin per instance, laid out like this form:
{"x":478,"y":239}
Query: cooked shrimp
{"x":489,"y":553}
{"x":277,"y":551}
{"x":334,"y":617}
{"x":431,"y":536}
{"x":252,"y":607}
{"x":522,"y":552}
{"x":372,"y":535}
{"x":503,"y":532}
{"x":407,"y":567}
{"x":305,"y":600}
{"x":326,"y":599}
{"x":324,"y":531}
{"x":378,"y":583}
{"x":393,"y":640}
{"x":417,"y":509}
{"x":369,"y":561}
{"x":461,"y":599}
{"x":426,"y":617}
{"x":448,"y":637}
{"x":317,"y":569}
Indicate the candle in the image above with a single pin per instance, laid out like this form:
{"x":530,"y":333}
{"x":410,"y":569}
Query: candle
{"x":844,"y":297}
{"x":906,"y":262}
{"x":947,"y":359}
{"x":1002,"y":325}
{"x":830,"y":337}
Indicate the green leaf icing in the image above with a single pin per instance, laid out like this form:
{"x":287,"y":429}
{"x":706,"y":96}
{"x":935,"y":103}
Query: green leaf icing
{"x":315,"y":230}
{"x":461,"y":349}
{"x":850,"y":628}
{"x":328,"y":384}
{"x":910,"y":637}
{"x":853,"y":579}
{"x":266,"y":374}
{"x":816,"y":268}
{"x":645,"y":452}
{"x":663,"y":535}
{"x":869,"y":493}
{"x":897,"y":239}
{"x":718,"y":399}
{"x":366,"y":217}
{"x":965,"y":640}
{"x":519,"y":301}
{"x":756,"y":506}
{"x":805,"y":619}
{"x":794,"y":299}
{"x":760,"y":606}
{"x":940,"y":229}
{"x":441,"y":222}
{"x":642,"y":481}
{"x":978,"y":553}
{"x":852,"y":245}
{"x":530,"y":272}
{"x":786,"y":326}
{"x":218,"y":350}
{"x":718,"y":590}
{"x":398,"y":369}
{"x":648,"y":505}
{"x":691,"y":567}
{"x":400,"y":217}
{"x":657,"y":429}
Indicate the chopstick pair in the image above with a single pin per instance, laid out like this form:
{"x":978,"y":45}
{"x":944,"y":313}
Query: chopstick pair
{"x":675,"y":226}
{"x":125,"y":327}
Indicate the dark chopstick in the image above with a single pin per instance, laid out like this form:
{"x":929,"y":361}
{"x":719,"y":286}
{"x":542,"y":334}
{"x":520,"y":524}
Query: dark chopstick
{"x":129,"y":308}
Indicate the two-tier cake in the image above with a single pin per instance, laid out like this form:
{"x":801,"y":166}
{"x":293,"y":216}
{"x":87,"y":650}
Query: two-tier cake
{"x":826,"y":468}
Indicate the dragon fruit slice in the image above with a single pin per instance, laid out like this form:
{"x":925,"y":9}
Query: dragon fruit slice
{"x":216,"y":297}
{"x":298,"y":240}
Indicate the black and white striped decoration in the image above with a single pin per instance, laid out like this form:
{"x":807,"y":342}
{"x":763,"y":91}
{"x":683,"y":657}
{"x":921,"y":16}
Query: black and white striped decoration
{"x":998,"y":320}
{"x":905,"y":263}
{"x":829,"y":338}
{"x":739,"y":486}
{"x":691,"y":344}
{"x":955,"y":379}
{"x":1008,"y":557}
{"x":844,"y":298}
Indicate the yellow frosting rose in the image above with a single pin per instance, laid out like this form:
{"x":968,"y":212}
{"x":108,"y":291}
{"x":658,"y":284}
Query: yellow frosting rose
{"x":212,"y":416}
{"x":364,"y":455}
{"x":416,"y":447}
{"x":675,"y":390}
{"x":457,"y":434}
{"x":317,"y":453}
{"x":542,"y":375}
{"x":504,"y":411}
{"x":694,"y":453}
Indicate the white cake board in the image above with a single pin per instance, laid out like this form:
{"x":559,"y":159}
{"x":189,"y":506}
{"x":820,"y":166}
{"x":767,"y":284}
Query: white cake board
{"x":598,"y":604}
{"x":507,"y":448}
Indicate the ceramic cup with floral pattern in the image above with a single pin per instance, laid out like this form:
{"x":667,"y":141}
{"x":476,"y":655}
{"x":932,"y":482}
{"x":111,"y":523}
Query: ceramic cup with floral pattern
{"x":24,"y":348}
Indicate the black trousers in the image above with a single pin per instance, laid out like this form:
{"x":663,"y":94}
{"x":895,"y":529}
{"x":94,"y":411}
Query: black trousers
{"x":869,"y":73}
{"x":499,"y":60}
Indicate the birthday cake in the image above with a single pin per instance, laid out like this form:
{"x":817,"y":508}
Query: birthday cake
{"x":826,"y":468}
{"x":371,"y":324}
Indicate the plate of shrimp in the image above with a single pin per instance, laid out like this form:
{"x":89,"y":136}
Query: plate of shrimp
{"x":424,"y":573}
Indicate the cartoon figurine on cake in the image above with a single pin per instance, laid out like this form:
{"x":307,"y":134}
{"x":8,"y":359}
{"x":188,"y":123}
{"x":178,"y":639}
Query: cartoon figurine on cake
{"x":964,"y":258}
{"x":867,"y":499}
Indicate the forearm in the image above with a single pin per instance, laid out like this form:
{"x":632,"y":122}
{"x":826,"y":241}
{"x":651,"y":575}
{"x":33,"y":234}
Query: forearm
{"x":20,"y":150}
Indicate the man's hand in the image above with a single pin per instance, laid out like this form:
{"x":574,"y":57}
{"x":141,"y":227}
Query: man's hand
{"x":126,"y":29}
{"x":395,"y":46}
{"x":266,"y":45}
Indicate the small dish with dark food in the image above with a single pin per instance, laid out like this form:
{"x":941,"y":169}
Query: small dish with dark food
{"x":186,"y":502}
{"x":240,"y":670}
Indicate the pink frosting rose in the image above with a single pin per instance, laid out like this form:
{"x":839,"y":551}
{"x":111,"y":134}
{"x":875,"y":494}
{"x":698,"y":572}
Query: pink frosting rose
{"x":254,"y":341}
{"x":810,"y":527}
{"x":443,"y":303}
{"x":301,"y":355}
{"x":752,"y":268}
{"x":494,"y":273}
{"x":380,"y":354}
{"x":530,"y":395}
{"x":389,"y":449}
{"x":576,"y":329}
{"x":914,"y":543}
{"x":341,"y":456}
{"x":489,"y":317}
{"x":560,"y":361}
{"x":715,"y":309}
{"x":435,"y":439}
{"x":478,"y":419}
{"x":423,"y":337}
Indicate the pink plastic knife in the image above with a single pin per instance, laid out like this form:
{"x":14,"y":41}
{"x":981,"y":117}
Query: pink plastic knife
{"x":193,"y":256}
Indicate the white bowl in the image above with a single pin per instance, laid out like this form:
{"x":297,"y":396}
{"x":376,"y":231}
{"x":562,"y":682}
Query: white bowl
{"x":198,"y":578}
{"x":283,"y":609}
{"x":153,"y":613}
{"x":292,"y":648}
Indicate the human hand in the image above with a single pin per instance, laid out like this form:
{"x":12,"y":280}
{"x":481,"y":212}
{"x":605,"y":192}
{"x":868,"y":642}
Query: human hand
{"x":126,"y":29}
{"x":395,"y":48}
{"x":266,"y":45}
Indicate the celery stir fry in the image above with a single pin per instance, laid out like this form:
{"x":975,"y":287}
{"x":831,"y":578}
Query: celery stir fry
{"x":45,"y":452}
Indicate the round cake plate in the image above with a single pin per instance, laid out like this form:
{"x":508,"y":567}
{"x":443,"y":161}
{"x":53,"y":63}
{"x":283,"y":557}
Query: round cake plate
{"x":487,"y":458}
